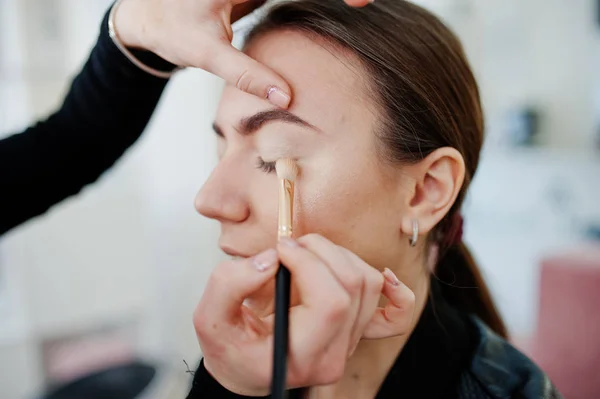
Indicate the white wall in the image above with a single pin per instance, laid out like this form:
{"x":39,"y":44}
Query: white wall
{"x":545,"y":53}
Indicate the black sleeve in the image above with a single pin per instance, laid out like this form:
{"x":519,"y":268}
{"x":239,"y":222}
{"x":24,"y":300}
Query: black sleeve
{"x":106,"y":109}
{"x":206,"y":387}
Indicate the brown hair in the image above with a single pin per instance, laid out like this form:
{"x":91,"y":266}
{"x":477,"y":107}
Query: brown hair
{"x":428,"y":99}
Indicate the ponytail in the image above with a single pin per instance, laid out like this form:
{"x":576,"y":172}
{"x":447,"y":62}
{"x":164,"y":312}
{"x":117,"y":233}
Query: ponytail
{"x":463,"y":286}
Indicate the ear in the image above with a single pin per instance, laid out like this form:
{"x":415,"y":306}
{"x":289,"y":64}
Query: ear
{"x":437,"y":181}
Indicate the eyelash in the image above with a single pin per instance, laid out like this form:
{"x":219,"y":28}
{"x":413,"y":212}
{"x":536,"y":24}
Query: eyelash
{"x":267,"y":167}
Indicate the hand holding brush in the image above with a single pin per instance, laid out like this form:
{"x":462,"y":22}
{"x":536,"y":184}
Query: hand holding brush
{"x":326,"y":321}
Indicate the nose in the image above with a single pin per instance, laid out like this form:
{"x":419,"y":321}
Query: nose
{"x":222,"y":196}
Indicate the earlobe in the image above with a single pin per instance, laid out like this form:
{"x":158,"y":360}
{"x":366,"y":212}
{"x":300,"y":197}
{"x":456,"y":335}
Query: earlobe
{"x":438,"y":181}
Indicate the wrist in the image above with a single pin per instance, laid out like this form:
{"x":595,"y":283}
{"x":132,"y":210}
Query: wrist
{"x":128,"y":23}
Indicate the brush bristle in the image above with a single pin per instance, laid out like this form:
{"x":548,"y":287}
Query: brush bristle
{"x":286,"y":169}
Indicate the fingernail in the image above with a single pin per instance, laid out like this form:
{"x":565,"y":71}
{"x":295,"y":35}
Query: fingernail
{"x":289,"y":242}
{"x":278,"y":97}
{"x":265,"y":260}
{"x":391,"y":277}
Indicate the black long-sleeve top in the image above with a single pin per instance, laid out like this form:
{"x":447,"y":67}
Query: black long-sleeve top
{"x":106,"y":109}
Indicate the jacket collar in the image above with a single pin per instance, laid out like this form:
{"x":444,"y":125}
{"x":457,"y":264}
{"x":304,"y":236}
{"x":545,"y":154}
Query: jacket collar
{"x":504,"y":371}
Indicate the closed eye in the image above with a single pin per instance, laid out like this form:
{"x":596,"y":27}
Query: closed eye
{"x":267,"y":167}
{"x":218,"y":130}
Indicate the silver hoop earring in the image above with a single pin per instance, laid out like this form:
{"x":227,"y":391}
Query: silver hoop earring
{"x":415,"y":233}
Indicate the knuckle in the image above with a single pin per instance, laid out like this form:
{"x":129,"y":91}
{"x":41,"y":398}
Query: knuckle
{"x":338,"y":308}
{"x":221,"y":275}
{"x":244,"y":80}
{"x":332,"y":371}
{"x":354,"y":283}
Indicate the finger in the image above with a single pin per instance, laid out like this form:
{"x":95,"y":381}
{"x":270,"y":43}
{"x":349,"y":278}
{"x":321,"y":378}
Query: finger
{"x":261,"y":302}
{"x":240,"y":10}
{"x":351,"y":275}
{"x":397,"y":315}
{"x":344,"y":270}
{"x":230,"y":283}
{"x":249,"y":75}
{"x":315,"y":323}
{"x":315,"y":283}
{"x":358,"y":3}
{"x":256,"y":326}
{"x":372,"y":291}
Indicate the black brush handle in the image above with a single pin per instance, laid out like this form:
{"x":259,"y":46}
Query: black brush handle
{"x":281,"y":335}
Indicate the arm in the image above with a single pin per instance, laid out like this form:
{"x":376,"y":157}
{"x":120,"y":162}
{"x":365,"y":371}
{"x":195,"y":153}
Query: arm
{"x":106,"y":109}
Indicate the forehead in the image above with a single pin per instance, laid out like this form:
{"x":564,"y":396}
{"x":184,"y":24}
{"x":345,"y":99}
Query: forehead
{"x":328,"y":85}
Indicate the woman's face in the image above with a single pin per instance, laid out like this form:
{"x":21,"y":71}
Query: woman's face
{"x":342,"y":191}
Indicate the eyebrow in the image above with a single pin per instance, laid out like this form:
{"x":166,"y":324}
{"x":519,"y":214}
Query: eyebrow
{"x":252,"y":123}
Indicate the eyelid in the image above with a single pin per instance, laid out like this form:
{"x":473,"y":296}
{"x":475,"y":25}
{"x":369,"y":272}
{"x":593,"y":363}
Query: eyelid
{"x":217,"y":130}
{"x":276,"y":148}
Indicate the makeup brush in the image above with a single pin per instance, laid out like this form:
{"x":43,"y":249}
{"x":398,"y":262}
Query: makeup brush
{"x":287,"y":170}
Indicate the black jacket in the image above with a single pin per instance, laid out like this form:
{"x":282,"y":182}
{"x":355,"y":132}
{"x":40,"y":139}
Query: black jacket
{"x":106,"y":109}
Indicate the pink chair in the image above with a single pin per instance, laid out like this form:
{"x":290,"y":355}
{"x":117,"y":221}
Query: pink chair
{"x":566,"y":344}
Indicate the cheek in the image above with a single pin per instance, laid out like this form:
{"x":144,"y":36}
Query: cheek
{"x":351,"y":204}
{"x":348,"y":206}
{"x":320,"y":197}
{"x":264,"y":203}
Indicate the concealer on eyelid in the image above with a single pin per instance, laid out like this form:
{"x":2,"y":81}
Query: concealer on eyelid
{"x":274,"y":151}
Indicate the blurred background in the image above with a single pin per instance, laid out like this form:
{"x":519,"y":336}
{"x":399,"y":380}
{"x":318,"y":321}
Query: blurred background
{"x":115,"y":273}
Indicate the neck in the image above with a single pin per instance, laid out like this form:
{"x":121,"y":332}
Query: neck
{"x":372,"y":360}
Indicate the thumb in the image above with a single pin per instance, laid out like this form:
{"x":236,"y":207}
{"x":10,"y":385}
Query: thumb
{"x":230,"y":283}
{"x":249,"y":75}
